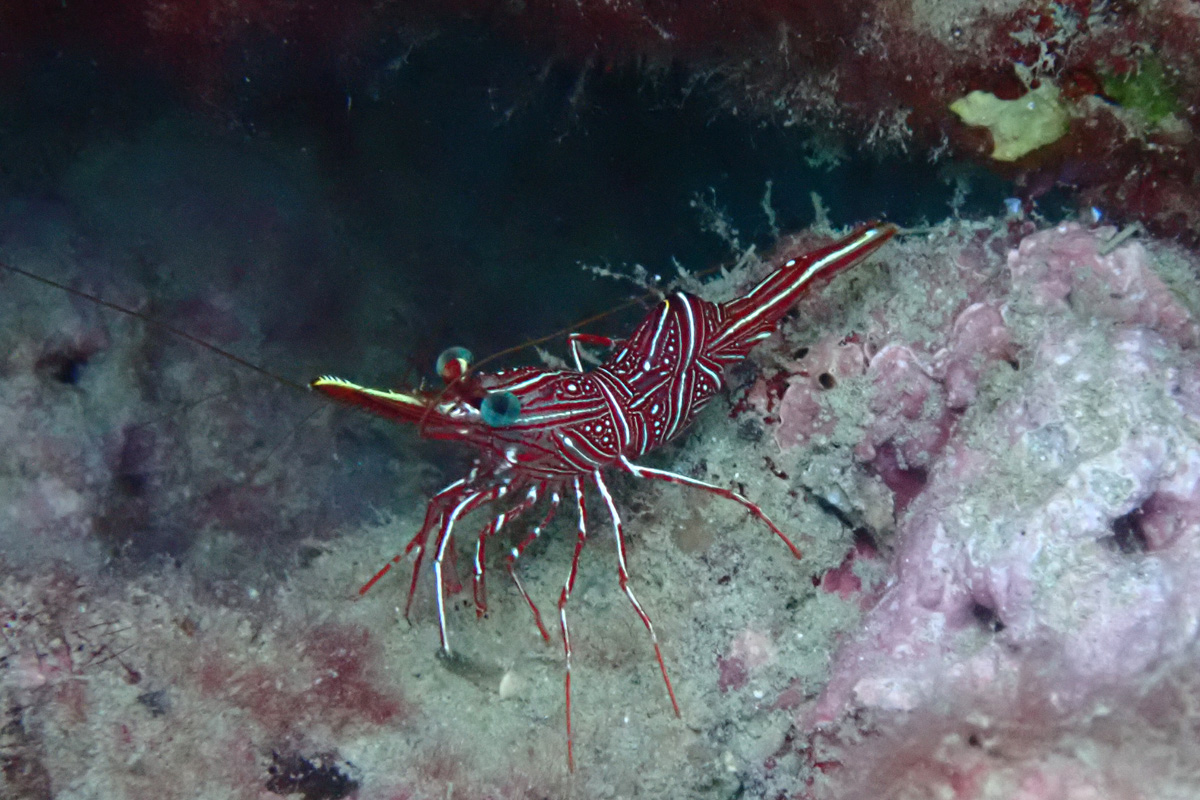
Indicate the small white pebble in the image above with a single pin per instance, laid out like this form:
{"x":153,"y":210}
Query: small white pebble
{"x":511,"y":685}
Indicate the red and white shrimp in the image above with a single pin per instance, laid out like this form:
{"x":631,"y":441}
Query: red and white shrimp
{"x":545,"y":433}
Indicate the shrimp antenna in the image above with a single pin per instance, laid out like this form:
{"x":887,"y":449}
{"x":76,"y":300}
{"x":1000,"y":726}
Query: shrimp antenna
{"x":156,"y":323}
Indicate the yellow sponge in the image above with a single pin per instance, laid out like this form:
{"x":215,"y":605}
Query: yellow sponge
{"x":1019,"y":126}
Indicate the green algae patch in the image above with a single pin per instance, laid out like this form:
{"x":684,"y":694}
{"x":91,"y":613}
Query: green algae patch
{"x":1144,"y":89}
{"x":1019,"y":126}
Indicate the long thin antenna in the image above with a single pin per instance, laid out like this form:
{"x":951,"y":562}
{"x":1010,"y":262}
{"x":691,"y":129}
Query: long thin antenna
{"x":149,"y":320}
{"x":182,"y":334}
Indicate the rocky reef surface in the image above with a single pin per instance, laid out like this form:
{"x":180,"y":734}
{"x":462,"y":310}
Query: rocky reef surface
{"x":986,"y":440}
{"x":1033,"y":636}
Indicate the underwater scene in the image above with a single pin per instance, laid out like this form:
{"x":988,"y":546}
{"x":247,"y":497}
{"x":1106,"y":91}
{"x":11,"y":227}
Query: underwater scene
{"x":599,"y":400}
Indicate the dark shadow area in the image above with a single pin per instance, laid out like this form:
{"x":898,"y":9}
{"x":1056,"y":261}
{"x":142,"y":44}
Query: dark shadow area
{"x":475,"y":174}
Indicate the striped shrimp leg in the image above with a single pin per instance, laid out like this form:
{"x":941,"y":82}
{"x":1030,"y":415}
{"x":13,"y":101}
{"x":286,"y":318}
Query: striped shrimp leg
{"x":510,"y":561}
{"x":623,"y":578}
{"x":478,"y":585}
{"x":564,"y":596}
{"x":433,"y":517}
{"x":468,"y":501}
{"x":638,"y":471}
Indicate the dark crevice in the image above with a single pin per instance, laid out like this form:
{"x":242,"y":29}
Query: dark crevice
{"x":1128,"y":536}
{"x":986,"y":617}
{"x":315,"y":778}
{"x":63,"y":366}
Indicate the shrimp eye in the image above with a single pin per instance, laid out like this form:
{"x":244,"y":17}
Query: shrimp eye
{"x":453,"y":363}
{"x":500,"y":408}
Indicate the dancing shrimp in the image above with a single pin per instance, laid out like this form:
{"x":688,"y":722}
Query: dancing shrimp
{"x":542,"y":434}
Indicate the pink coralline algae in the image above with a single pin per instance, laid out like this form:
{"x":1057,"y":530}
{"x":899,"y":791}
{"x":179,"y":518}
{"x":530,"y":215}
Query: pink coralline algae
{"x":801,"y":413}
{"x":751,"y":650}
{"x":1064,"y":270}
{"x":1047,"y":557}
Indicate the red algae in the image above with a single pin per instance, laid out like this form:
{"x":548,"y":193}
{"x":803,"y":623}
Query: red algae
{"x":330,"y":683}
{"x":346,"y":661}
